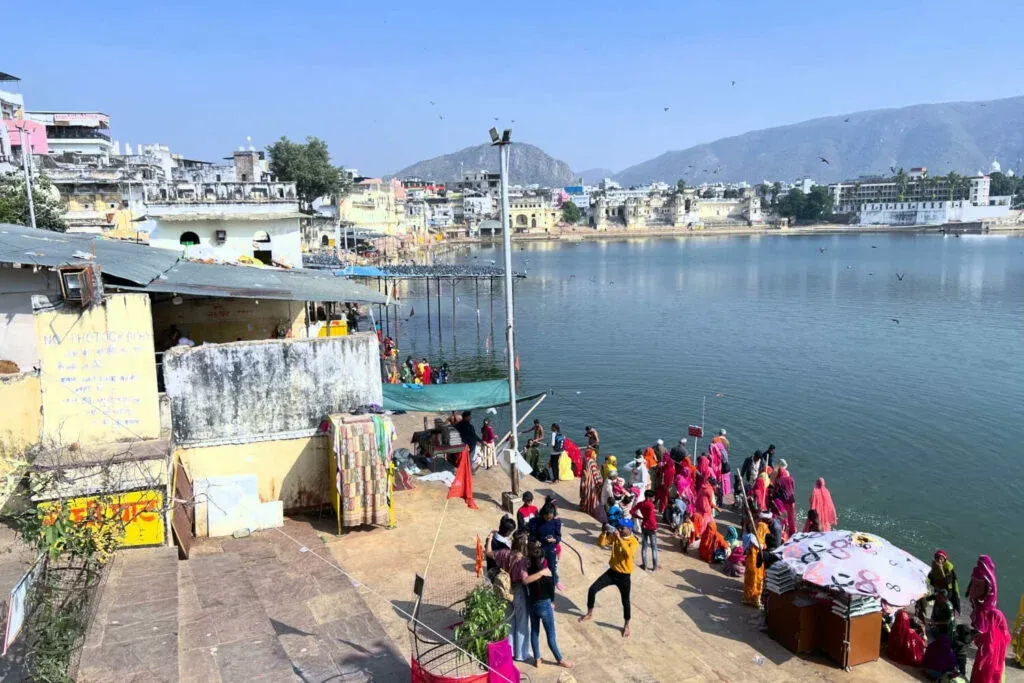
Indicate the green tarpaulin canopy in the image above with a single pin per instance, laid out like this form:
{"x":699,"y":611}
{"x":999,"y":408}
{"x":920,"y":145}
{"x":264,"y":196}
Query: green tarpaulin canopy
{"x":436,"y":398}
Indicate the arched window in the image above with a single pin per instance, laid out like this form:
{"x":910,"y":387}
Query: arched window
{"x":533,"y":223}
{"x":521,"y":220}
{"x":188,"y":239}
{"x":325,"y":241}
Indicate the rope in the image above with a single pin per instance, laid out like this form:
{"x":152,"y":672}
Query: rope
{"x":437,"y":534}
{"x":360,"y":584}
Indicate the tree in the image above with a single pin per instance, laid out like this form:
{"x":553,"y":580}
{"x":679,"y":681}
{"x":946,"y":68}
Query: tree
{"x":817,"y":204}
{"x":45,"y":200}
{"x":731,"y":193}
{"x":952,"y":185}
{"x":1001,"y":185}
{"x":571,"y":213}
{"x":902,"y":182}
{"x":680,"y":185}
{"x":790,"y":204}
{"x":309,"y":167}
{"x":776,"y":193}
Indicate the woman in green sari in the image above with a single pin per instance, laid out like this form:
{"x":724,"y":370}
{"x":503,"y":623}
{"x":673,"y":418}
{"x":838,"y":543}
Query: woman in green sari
{"x":942,"y":578}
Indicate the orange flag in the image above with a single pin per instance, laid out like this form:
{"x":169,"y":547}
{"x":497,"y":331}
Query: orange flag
{"x":479,"y":556}
{"x":462,"y":487}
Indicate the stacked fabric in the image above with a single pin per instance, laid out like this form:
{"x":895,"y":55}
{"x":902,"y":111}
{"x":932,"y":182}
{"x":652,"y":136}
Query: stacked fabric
{"x":362,"y":446}
{"x":855,"y":606}
{"x":780,"y":579}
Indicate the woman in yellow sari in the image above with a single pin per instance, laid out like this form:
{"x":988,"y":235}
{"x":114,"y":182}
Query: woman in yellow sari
{"x":1018,"y":635}
{"x":753,"y":575}
{"x":610,"y":465}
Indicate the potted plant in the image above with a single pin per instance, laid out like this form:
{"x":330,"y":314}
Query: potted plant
{"x":485,"y":621}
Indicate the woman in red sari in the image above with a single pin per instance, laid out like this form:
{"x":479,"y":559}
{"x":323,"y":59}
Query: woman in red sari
{"x":667,"y":478}
{"x":821,"y":502}
{"x":704,"y":506}
{"x":785,"y":493}
{"x":760,"y":492}
{"x":905,"y":646}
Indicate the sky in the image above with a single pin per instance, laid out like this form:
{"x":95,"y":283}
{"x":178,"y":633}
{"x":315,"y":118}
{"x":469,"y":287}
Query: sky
{"x":389,"y":84}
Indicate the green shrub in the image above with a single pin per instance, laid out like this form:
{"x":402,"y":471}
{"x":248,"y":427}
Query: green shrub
{"x":485,"y":621}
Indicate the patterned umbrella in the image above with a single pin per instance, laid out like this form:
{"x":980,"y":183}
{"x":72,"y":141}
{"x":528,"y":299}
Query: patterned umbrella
{"x":858,"y":564}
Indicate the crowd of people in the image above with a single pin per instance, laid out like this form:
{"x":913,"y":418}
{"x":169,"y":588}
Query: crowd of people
{"x":411,"y":371}
{"x":663,"y":489}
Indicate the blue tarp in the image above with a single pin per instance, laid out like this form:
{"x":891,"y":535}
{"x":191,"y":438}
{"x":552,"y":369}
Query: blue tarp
{"x":437,"y":398}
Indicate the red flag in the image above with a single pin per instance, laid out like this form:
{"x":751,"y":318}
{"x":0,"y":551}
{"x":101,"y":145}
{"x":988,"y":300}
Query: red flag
{"x":696,"y":430}
{"x":479,"y":556}
{"x":462,"y":487}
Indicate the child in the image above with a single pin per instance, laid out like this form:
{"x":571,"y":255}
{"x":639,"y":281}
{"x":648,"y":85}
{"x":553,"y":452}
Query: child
{"x":526,"y":512}
{"x":686,"y":533}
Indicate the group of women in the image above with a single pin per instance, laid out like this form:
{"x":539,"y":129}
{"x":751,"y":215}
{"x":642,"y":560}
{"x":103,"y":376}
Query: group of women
{"x":938,"y":644}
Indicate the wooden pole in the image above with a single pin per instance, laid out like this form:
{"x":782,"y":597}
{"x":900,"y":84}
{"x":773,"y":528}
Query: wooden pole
{"x":430,"y":334}
{"x":439,"y":336}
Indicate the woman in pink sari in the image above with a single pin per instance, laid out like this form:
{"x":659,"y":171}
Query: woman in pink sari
{"x":704,"y":472}
{"x":994,"y":637}
{"x":720,"y":465}
{"x":684,"y":486}
{"x":821,"y":502}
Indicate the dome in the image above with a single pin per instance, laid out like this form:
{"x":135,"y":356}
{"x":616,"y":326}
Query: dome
{"x":995,"y":167}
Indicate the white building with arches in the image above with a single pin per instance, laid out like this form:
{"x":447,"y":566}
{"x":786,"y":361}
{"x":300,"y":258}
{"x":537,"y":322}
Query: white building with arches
{"x":226,"y":221}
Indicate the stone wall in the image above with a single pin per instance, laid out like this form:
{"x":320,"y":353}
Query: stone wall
{"x":253,"y":391}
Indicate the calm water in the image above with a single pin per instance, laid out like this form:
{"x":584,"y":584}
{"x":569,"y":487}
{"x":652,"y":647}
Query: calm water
{"x":917,"y":426}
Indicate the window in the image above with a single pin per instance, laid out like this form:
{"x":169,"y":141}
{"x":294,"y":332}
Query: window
{"x":188,"y":239}
{"x":325,"y":241}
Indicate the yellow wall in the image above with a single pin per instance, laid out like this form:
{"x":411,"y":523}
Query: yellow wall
{"x":98,"y":372}
{"x":295,"y":471}
{"x":21,"y":419}
{"x":225,"y":320}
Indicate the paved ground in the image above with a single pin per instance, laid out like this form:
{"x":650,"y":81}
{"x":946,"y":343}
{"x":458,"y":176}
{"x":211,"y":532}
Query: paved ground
{"x":688,"y":623}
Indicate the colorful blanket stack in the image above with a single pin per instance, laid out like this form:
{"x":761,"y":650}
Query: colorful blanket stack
{"x":362,"y":446}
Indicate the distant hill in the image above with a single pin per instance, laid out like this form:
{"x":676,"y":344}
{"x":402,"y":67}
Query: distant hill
{"x":955,"y":136}
{"x":527,"y":165}
{"x":592,"y":176}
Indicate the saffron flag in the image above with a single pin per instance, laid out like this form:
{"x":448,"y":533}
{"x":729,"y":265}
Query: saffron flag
{"x":462,"y":487}
{"x":696,"y":431}
{"x":479,"y":557}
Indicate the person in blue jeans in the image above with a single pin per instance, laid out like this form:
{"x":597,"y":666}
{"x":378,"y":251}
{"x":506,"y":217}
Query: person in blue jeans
{"x":540,"y":592}
{"x":547,"y":530}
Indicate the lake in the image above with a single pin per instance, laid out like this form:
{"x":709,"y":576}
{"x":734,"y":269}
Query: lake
{"x":917,"y":426}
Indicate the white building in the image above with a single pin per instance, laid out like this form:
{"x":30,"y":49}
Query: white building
{"x":227,"y":221}
{"x":919,"y":200}
{"x":77,"y":132}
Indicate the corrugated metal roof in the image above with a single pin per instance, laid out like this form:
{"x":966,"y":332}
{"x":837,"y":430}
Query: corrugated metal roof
{"x":160,"y":270}
{"x":138,"y":263}
{"x":248,"y":282}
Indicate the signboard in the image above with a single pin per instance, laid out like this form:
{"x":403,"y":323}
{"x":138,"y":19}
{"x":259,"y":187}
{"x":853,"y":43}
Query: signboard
{"x":141,"y":513}
{"x":17,"y":606}
{"x":84,"y":118}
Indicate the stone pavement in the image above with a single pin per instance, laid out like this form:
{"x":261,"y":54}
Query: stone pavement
{"x":688,"y":623}
{"x":133,"y":633}
{"x":262,"y":609}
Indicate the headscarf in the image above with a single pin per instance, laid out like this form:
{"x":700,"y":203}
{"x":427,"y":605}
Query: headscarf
{"x":821,"y":502}
{"x":668,"y":471}
{"x":731,"y":535}
{"x":984,"y":571}
{"x":610,"y":465}
{"x":760,"y":491}
{"x":703,"y":468}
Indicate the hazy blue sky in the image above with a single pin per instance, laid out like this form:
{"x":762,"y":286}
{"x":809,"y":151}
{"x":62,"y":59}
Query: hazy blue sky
{"x":586,"y":81}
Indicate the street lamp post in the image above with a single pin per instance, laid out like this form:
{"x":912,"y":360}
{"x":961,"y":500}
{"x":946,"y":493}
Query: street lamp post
{"x":503,"y":142}
{"x":25,"y":152}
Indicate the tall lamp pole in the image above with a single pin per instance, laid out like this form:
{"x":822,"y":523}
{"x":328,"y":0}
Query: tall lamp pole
{"x":26,"y":152}
{"x":503,"y":142}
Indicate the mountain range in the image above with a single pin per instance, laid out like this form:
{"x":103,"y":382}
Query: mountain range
{"x":954,"y":136}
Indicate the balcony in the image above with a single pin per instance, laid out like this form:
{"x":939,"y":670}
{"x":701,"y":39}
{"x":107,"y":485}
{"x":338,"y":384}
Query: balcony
{"x":222,"y":193}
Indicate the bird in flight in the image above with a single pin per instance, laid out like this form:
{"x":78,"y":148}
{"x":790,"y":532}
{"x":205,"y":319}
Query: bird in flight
{"x":431,"y":103}
{"x":846,"y":120}
{"x":734,"y":82}
{"x":513,"y":120}
{"x":895,"y":320}
{"x":826,"y":161}
{"x":716,"y":170}
{"x":440,"y":117}
{"x":822,"y":249}
{"x":899,"y":276}
{"x":893,"y":169}
{"x":666,"y":108}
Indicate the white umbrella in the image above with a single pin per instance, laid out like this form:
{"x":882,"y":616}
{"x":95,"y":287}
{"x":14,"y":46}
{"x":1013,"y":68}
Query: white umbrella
{"x":856,"y":563}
